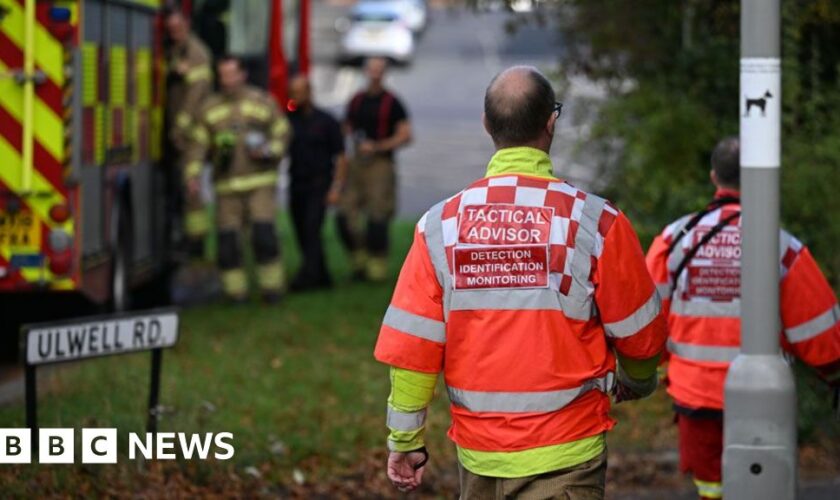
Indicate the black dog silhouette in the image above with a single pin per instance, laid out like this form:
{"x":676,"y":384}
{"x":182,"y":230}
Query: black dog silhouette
{"x":760,"y":102}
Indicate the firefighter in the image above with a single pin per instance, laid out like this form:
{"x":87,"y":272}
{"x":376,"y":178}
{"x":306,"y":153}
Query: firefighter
{"x":533,"y":298}
{"x":189,"y":84}
{"x":317,"y":171}
{"x":378,"y":125}
{"x":244,"y":135}
{"x":696,"y":264}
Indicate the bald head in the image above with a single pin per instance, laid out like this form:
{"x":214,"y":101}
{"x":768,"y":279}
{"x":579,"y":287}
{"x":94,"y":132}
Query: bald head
{"x":518,"y":107}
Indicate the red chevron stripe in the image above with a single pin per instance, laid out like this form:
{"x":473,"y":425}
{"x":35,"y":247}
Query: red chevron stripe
{"x":49,"y":92}
{"x":45,"y":163}
{"x":42,"y":15}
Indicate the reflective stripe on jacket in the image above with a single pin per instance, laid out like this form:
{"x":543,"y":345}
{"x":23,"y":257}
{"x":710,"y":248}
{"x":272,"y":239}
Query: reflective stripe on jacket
{"x":531,"y":366}
{"x":187,"y":93}
{"x":227,"y":121}
{"x":704,"y":307}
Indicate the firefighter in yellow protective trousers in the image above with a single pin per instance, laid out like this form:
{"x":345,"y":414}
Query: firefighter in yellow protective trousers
{"x":379,"y":125}
{"x":189,"y":83}
{"x":244,"y":135}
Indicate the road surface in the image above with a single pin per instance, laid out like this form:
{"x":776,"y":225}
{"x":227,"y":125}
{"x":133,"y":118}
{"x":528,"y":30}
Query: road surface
{"x":444,"y":89}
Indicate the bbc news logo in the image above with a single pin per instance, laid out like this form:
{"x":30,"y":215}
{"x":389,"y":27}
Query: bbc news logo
{"x":99,"y":446}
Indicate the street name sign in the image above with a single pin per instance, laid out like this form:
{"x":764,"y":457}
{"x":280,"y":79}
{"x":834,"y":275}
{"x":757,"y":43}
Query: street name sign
{"x":100,"y":336}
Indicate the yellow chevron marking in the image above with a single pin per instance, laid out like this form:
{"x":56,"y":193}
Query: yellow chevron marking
{"x":48,"y":51}
{"x":48,"y":125}
{"x":40,"y":204}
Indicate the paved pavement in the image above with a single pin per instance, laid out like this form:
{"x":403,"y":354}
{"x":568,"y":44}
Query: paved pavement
{"x":444,"y":89}
{"x":808,"y":490}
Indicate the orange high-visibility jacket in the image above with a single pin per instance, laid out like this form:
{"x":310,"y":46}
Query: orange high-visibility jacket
{"x":704,"y":306}
{"x":519,"y":288}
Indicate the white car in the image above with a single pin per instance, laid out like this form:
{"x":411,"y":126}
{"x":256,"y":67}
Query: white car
{"x":413,"y":12}
{"x":377,"y":29}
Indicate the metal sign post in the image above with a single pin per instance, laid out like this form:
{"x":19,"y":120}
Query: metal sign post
{"x":154,"y":390}
{"x":93,"y":337}
{"x":759,"y":458}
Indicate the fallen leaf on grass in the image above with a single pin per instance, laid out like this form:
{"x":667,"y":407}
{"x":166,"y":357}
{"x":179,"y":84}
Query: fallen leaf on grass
{"x":253,"y":472}
{"x":278,"y":448}
{"x":298,"y":476}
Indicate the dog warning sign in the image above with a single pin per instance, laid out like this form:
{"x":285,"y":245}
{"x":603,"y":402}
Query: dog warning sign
{"x":760,"y":112}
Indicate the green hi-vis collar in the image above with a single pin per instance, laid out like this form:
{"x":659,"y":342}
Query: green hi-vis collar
{"x":521,"y":161}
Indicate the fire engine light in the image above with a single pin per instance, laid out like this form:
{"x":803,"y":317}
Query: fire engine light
{"x":60,"y":14}
{"x":59,"y":213}
{"x":60,"y":264}
{"x":59,"y":240}
{"x":291,"y":105}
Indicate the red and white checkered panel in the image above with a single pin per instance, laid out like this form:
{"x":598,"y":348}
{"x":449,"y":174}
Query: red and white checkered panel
{"x":672,"y":228}
{"x":789,"y":250}
{"x":789,"y":246}
{"x":566,"y":201}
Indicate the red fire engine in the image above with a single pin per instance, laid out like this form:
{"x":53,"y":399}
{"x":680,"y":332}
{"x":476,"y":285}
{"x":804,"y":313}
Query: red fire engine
{"x":82,"y":93}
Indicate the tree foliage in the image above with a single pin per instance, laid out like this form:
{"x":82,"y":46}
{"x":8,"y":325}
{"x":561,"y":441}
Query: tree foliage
{"x":672,"y":70}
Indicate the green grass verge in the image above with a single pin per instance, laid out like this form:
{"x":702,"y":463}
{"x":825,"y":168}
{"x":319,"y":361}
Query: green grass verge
{"x":295,"y":383}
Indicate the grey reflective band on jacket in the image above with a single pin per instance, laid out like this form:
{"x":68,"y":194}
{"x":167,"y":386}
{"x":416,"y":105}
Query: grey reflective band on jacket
{"x":664,"y":290}
{"x":639,"y":319}
{"x":437,"y":253}
{"x":693,"y":352}
{"x":814,"y":327}
{"x":405,"y":421}
{"x":578,"y":304}
{"x":526,"y":402}
{"x":524,"y":299}
{"x":676,"y":256}
{"x":416,"y":325}
{"x":706,"y":309}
